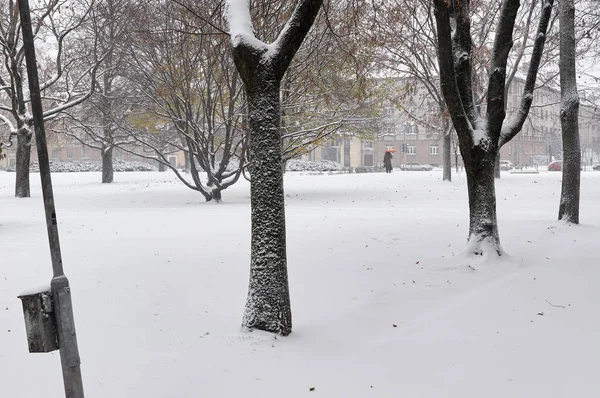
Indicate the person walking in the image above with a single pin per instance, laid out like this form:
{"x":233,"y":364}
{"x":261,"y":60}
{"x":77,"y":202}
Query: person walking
{"x":387,"y":161}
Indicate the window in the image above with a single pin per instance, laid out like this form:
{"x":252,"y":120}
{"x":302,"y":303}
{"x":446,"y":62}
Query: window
{"x":389,"y":129}
{"x":389,"y":110}
{"x":330,"y":153}
{"x":70,"y":153}
{"x":434,"y":150}
{"x":55,"y":153}
{"x":368,"y":160}
{"x":411,"y":149}
{"x":85,"y":152}
{"x":368,"y":145}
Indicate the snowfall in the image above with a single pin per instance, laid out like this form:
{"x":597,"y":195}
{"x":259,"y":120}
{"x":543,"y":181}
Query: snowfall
{"x":384,"y":304}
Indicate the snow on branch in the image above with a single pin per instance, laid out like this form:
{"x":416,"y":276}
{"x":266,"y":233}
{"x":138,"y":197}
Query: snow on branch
{"x":240,"y":25}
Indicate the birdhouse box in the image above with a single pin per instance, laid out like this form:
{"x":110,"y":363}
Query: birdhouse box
{"x":40,"y":322}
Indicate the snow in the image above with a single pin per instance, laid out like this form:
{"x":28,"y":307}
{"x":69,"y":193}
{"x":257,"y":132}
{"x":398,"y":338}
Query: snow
{"x":240,"y":24}
{"x":480,"y":136}
{"x":36,"y":290}
{"x":382,"y":305}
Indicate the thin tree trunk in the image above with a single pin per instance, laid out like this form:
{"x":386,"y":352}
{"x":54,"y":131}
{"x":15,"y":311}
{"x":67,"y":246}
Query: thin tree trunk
{"x":186,"y":159}
{"x":483,"y":223}
{"x":268,"y":304}
{"x":447,"y":149}
{"x":23,"y":158}
{"x":107,"y":165}
{"x":569,"y":117}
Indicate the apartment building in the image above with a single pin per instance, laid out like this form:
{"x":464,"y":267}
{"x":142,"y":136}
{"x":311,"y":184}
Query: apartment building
{"x":402,"y":129}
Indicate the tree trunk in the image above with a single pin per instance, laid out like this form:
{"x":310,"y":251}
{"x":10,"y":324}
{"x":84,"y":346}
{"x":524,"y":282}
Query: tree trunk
{"x":447,"y":149}
{"x":483,"y":224}
{"x":569,"y":117}
{"x":268,"y":304}
{"x":107,"y":165}
{"x":497,"y":166}
{"x":186,"y":159}
{"x":22,"y":189}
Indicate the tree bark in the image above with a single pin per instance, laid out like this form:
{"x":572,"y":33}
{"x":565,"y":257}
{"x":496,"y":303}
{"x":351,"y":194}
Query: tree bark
{"x":483,"y":222}
{"x":447,"y":149}
{"x":497,"y":166}
{"x":569,"y":117}
{"x":23,"y":158}
{"x":268,"y":305}
{"x":107,"y":165}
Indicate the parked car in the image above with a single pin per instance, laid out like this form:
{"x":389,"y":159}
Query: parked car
{"x":555,"y":166}
{"x":596,"y":167}
{"x":506,"y":165}
{"x":416,"y":166}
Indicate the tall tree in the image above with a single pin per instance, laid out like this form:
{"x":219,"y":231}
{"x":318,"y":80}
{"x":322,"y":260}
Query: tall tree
{"x":569,"y":116}
{"x":480,"y":138}
{"x":66,"y":82}
{"x":262,"y":67}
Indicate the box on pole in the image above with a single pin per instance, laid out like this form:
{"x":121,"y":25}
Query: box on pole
{"x":40,"y":323}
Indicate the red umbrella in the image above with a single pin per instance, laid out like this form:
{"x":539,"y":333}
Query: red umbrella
{"x":391,"y":150}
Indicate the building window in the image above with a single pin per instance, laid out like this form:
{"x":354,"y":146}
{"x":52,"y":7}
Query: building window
{"x":368,"y":145}
{"x":411,"y":149}
{"x":55,"y":153}
{"x":434,"y":150}
{"x":331,"y":153}
{"x":389,"y":110}
{"x":70,"y":154}
{"x":85,"y":152}
{"x":368,"y":160}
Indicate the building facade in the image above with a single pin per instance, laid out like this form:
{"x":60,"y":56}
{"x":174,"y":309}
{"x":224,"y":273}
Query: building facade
{"x":401,"y":129}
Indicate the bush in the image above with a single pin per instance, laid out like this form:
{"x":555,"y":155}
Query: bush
{"x":310,"y":166}
{"x":83,"y":166}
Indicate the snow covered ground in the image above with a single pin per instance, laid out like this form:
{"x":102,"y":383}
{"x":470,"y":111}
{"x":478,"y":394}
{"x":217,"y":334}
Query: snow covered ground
{"x":383,"y":305}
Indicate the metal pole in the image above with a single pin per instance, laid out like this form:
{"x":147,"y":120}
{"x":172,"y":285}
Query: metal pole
{"x":61,"y":293}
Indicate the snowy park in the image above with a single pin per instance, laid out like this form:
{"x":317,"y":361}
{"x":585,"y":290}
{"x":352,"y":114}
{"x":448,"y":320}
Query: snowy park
{"x":384,"y":303}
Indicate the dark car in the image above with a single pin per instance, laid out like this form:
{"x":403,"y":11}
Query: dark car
{"x":596,"y":167}
{"x":555,"y":166}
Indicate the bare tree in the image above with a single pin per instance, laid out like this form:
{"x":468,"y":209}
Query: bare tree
{"x":95,"y":123}
{"x":68,"y":81}
{"x":480,"y":138}
{"x":569,"y":116}
{"x":191,"y":97}
{"x":261,"y":67}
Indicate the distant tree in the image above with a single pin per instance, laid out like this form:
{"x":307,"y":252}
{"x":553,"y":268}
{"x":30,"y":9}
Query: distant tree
{"x":95,"y":123}
{"x":262,"y":67}
{"x":569,"y":116}
{"x":480,"y":138}
{"x":65,"y":81}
